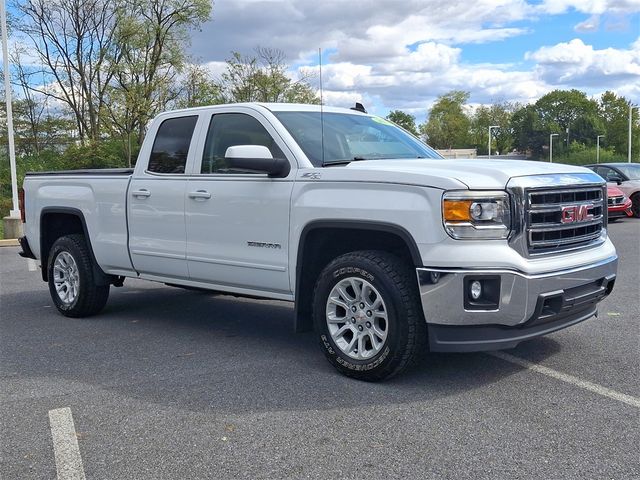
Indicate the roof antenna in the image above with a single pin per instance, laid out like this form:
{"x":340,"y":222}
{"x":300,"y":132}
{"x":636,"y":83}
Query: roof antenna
{"x":359,"y":108}
{"x":321,"y":106}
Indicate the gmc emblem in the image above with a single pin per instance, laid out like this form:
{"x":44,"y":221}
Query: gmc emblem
{"x":576,"y":213}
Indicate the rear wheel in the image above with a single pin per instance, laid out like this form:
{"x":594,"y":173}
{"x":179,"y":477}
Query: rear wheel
{"x":71,"y":280}
{"x":367,"y":314}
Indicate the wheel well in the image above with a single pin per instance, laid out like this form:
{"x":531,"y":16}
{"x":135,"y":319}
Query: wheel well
{"x":319,"y":246}
{"x":56,"y":224}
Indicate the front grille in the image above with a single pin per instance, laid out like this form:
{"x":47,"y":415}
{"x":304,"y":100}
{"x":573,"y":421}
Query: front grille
{"x":563,"y":219}
{"x":615,"y":200}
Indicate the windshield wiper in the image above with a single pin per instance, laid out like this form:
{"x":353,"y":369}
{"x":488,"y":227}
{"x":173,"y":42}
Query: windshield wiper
{"x":344,"y":161}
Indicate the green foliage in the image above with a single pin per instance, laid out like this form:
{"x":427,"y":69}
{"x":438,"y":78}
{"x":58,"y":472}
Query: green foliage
{"x":581,"y":154}
{"x":448,"y":125}
{"x":405,"y":120}
{"x":263,"y":78}
{"x":106,"y":154}
{"x":529,"y":133}
{"x":198,"y":89}
{"x":614,"y":112}
{"x":500,"y":115}
{"x":151,"y":38}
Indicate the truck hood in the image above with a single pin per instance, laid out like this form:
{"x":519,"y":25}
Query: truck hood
{"x":473,"y":173}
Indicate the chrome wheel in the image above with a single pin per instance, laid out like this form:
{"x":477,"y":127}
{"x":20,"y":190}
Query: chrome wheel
{"x":357,"y":318}
{"x":66,"y":278}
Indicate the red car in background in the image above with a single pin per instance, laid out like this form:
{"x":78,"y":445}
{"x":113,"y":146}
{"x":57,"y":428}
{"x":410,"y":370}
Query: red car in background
{"x":618,"y":204}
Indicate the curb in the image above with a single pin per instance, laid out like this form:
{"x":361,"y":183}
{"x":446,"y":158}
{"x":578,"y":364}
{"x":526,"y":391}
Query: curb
{"x":12,"y":242}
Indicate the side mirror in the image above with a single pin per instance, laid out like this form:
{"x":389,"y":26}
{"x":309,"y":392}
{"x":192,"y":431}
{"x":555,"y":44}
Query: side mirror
{"x":615,"y":178}
{"x":256,"y":159}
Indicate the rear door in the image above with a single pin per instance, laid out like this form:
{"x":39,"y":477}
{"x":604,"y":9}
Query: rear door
{"x":238,"y":222}
{"x":157,"y":238}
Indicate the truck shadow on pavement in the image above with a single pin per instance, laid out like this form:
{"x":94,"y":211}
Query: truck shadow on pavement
{"x":205,"y":353}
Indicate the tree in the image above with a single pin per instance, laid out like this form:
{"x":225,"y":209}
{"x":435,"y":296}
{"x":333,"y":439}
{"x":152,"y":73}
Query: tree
{"x":198,"y":88}
{"x":485,"y":116}
{"x":263,"y":78}
{"x":152,"y":36}
{"x":448,"y":125}
{"x":74,"y":40}
{"x":529,"y":133}
{"x":614,"y":112}
{"x":570,"y":113}
{"x":405,"y":120}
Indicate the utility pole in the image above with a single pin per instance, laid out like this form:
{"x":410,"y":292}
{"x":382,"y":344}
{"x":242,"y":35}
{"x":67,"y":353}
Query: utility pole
{"x":598,"y":148}
{"x":12,"y":224}
{"x":551,"y":146}
{"x":631,"y":107}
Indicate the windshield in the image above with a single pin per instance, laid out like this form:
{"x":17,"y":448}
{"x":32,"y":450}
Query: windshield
{"x":350,"y":137}
{"x":631,"y":171}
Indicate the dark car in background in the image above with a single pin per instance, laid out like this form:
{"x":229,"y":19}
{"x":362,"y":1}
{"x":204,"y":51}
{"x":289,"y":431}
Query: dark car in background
{"x":627,"y":178}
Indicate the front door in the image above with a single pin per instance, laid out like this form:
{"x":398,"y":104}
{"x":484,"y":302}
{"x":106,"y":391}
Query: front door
{"x":238,"y":222}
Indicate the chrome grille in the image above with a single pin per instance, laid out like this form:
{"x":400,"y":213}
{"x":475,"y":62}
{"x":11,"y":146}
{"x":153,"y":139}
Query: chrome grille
{"x":563,"y":219}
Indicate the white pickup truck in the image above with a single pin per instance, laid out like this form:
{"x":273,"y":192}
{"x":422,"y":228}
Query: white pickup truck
{"x":386,"y":248}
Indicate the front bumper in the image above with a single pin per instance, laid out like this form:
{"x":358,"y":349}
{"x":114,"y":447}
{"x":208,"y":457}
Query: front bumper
{"x":620,"y":211}
{"x":526,"y":306}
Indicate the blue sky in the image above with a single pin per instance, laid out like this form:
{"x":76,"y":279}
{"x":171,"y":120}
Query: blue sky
{"x":402,"y":54}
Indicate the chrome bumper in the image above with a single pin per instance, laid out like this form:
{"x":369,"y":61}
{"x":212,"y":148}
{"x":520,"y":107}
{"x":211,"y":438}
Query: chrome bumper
{"x":526,"y":306}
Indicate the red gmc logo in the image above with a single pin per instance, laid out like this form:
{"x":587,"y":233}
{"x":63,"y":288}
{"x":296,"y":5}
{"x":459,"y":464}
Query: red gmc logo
{"x":576,"y":213}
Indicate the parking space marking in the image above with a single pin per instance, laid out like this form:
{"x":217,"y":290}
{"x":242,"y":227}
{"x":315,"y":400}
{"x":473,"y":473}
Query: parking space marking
{"x":65,"y":445}
{"x":563,"y":377}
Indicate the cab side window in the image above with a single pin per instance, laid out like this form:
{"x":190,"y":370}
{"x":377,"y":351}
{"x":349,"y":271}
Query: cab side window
{"x":171,"y":145}
{"x":231,"y":129}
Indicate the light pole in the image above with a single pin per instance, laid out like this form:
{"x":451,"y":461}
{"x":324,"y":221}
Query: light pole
{"x":598,"y":148}
{"x":551,"y":146}
{"x":631,"y":107}
{"x":490,"y":128}
{"x":15,"y":212}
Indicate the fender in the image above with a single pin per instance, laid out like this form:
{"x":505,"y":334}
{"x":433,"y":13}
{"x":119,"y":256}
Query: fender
{"x":302,"y":317}
{"x":99,"y":276}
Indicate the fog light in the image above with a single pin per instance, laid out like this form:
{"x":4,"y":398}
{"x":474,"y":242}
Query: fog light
{"x":476,"y":289}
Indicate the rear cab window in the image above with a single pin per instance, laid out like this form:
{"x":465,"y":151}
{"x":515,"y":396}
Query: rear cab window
{"x":171,"y":145}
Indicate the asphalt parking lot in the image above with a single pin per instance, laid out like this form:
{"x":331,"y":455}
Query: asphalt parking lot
{"x":176,"y":384}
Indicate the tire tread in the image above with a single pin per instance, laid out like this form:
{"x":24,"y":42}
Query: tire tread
{"x":92,"y":298}
{"x":399,"y":273}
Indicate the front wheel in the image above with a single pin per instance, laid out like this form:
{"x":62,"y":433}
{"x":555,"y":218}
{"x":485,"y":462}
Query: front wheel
{"x":635,"y":207}
{"x":71,"y":279}
{"x":367,"y":314}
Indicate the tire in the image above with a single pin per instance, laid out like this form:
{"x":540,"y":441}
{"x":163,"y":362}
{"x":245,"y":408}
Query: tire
{"x":635,"y":199}
{"x":383,"y":338}
{"x":71,"y":280}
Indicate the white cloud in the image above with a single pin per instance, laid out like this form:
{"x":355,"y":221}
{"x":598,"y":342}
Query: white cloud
{"x":591,"y":24}
{"x":403,"y":54}
{"x":577,"y":64}
{"x":555,"y":7}
{"x":216,"y":68}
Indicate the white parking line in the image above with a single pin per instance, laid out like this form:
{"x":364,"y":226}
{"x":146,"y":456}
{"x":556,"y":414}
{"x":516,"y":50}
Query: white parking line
{"x":65,"y":445}
{"x":549,"y":372}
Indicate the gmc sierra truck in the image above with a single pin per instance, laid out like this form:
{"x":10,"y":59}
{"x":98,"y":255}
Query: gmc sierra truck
{"x":386,"y":248}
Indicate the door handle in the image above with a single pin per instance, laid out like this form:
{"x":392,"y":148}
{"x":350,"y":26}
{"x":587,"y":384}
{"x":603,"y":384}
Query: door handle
{"x":203,"y":194}
{"x":143,"y":192}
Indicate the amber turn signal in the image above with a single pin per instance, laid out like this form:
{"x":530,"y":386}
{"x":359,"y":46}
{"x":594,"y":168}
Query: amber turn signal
{"x":457,"y":210}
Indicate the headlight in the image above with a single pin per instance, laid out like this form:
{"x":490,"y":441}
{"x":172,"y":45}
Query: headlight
{"x":476,"y":215}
